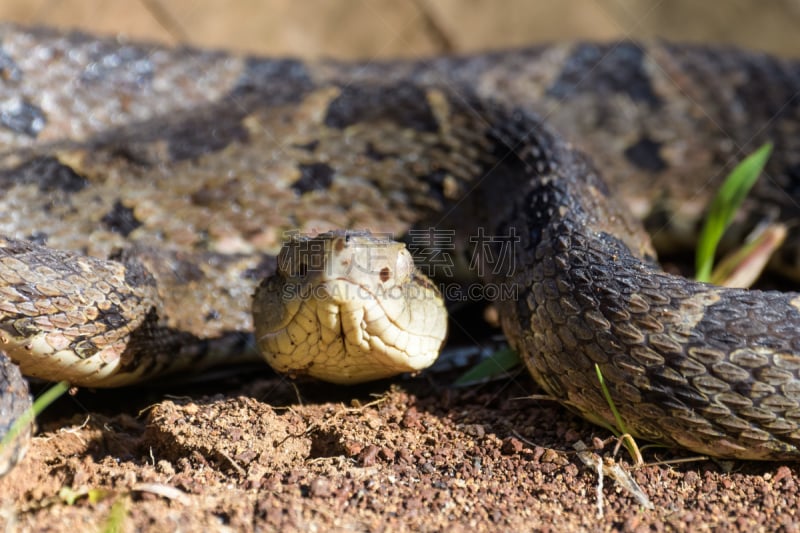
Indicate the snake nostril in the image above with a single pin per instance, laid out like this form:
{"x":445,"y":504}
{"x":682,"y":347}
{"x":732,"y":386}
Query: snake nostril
{"x":385,"y":274}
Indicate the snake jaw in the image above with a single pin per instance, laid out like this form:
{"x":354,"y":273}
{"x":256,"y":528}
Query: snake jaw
{"x":362,"y":312}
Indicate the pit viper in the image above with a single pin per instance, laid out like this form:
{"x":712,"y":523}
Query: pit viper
{"x":147,"y":191}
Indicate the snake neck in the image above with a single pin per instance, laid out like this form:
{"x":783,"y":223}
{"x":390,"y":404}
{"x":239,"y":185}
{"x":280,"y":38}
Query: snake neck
{"x":535,"y":185}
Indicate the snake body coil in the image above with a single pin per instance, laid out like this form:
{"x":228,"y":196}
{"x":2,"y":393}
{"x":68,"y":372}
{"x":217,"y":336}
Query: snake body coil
{"x":169,"y":178}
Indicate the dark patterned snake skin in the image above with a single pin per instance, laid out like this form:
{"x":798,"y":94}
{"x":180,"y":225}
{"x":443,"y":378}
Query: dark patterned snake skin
{"x":146,"y":191}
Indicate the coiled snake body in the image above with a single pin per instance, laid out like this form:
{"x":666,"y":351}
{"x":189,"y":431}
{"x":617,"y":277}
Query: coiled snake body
{"x":168,"y":178}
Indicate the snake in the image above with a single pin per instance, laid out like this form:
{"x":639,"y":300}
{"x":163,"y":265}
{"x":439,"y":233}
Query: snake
{"x":168,"y":208}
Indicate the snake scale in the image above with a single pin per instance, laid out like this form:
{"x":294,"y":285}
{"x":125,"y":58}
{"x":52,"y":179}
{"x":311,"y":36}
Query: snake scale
{"x":147,"y":190}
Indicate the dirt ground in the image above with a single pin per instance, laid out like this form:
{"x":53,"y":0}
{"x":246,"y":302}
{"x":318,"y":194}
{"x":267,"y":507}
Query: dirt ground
{"x":258,"y":452}
{"x":267,"y":454}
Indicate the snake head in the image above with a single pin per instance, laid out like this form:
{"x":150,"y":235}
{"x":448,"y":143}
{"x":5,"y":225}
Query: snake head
{"x":348,"y":307}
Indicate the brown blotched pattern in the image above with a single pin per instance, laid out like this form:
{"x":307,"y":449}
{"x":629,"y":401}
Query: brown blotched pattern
{"x":169,"y":178}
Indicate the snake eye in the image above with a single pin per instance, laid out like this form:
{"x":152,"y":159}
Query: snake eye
{"x":385,"y":274}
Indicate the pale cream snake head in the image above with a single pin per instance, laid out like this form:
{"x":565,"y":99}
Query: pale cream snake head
{"x":348,"y":307}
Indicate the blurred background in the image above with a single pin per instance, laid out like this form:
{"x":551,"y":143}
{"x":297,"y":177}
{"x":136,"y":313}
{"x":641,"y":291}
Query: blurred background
{"x":392,"y":28}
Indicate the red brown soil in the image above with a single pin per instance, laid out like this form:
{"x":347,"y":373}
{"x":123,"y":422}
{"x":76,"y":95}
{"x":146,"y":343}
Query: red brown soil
{"x":268,"y":454}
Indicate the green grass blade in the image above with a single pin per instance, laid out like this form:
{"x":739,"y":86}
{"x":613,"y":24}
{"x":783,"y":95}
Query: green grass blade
{"x":728,"y":199}
{"x":621,"y":427}
{"x":39,"y":405}
{"x":116,"y":517}
{"x":499,"y":362}
{"x":621,"y":431}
